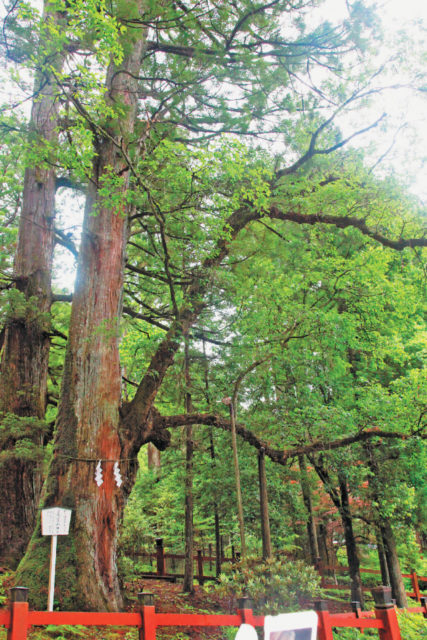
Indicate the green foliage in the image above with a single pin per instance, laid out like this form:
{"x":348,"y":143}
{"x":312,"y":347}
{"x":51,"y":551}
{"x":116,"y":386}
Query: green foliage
{"x":15,"y":307}
{"x":412,"y":627}
{"x":275,"y":585}
{"x":26,"y":434}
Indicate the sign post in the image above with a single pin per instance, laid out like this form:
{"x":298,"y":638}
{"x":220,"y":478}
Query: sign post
{"x":55,"y":522}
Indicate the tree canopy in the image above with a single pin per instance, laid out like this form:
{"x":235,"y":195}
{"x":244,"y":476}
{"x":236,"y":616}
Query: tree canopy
{"x":225,"y":208}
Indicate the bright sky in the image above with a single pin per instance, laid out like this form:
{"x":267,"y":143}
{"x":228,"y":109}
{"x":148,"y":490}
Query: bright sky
{"x":406,"y":110}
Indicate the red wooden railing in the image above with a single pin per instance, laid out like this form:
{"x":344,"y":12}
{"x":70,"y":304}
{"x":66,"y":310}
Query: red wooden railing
{"x":323,"y":570}
{"x":18,"y":619}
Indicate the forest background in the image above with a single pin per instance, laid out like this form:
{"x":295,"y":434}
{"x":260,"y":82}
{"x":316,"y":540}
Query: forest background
{"x":235,"y":244}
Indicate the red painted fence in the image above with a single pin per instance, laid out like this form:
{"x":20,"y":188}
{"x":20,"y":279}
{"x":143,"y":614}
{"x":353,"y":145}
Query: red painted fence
{"x":18,"y":619}
{"x":324,"y":570}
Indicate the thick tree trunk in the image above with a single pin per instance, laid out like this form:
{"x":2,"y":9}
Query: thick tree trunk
{"x":311,"y":526}
{"x":88,"y":416}
{"x":26,"y":342}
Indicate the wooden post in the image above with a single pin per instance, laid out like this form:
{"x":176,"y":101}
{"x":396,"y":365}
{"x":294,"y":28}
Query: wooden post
{"x":210,"y":555}
{"x":385,"y":611}
{"x":325,"y":627}
{"x":52,"y":568}
{"x":319,"y":569}
{"x":200,"y":566}
{"x":18,"y":614}
{"x":148,"y":615}
{"x":244,"y":610}
{"x":160,"y":557}
{"x":415,"y":585}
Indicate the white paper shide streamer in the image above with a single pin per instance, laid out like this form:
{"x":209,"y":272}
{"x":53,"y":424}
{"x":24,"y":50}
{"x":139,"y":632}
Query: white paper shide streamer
{"x":117,"y":474}
{"x":99,"y":477}
{"x":98,"y":474}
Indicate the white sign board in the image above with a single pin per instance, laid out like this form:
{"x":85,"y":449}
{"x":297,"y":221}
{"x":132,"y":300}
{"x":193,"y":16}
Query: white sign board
{"x":291,"y":626}
{"x":56,"y":521}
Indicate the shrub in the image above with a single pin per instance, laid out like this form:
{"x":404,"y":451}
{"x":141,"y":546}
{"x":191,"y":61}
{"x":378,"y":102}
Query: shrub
{"x":276,"y":585}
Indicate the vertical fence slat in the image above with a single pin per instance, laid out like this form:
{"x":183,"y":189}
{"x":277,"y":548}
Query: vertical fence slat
{"x":325,"y":627}
{"x":245,"y":610}
{"x":148,"y":615}
{"x":18,"y":614}
{"x":386,"y":612}
{"x":415,"y":585}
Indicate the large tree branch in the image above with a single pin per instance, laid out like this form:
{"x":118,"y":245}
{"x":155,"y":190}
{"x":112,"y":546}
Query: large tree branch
{"x":134,"y":414}
{"x":280,"y":456}
{"x":344,"y":222}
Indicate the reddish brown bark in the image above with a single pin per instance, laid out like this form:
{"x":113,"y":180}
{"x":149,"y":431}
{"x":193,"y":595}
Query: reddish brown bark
{"x":87,"y":427}
{"x":26,"y":343}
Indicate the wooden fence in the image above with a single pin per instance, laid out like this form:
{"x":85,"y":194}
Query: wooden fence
{"x":162,"y":559}
{"x":19,"y":619}
{"x":326,"y":572}
{"x":162,"y":572}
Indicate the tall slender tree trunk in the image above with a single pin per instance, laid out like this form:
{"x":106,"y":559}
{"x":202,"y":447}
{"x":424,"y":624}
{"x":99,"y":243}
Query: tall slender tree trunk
{"x":265,"y":520}
{"x":218,"y":546}
{"x":386,"y":531}
{"x":26,"y":341}
{"x":311,"y":525}
{"x":393,"y":564}
{"x":385,"y":576}
{"x":87,"y":427}
{"x":350,"y":542}
{"x":341,"y":501}
{"x":239,"y":499}
{"x":188,"y":584}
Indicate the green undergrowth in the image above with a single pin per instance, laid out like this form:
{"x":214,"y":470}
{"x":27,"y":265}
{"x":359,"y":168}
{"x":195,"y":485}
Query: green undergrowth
{"x":412,"y":627}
